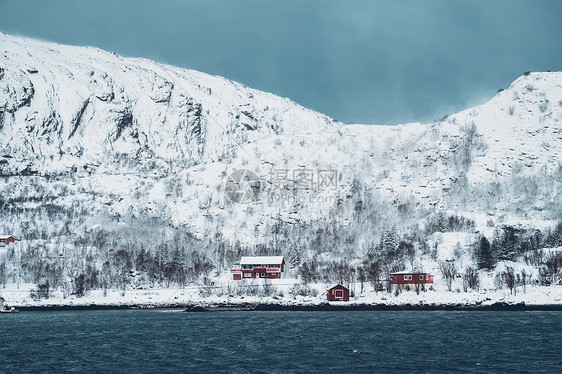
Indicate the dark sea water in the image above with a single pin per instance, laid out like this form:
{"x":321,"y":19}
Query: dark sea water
{"x":281,"y":342}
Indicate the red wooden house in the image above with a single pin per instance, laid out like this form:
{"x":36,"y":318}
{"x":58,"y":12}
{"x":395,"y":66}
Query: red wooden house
{"x":270,"y":267}
{"x":6,"y":239}
{"x":408,"y":277}
{"x":338,"y":292}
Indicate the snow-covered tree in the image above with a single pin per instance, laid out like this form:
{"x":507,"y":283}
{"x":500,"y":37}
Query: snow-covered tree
{"x":294,"y":257}
{"x":484,"y":254}
{"x":507,"y":244}
{"x":390,"y":240}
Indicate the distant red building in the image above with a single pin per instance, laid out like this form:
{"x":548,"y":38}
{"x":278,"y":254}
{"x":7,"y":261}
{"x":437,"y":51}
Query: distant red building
{"x":406,"y":277}
{"x":6,"y":239}
{"x":270,"y":267}
{"x":338,"y":292}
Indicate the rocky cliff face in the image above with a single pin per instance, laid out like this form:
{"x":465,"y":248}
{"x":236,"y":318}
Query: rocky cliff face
{"x":64,"y":106}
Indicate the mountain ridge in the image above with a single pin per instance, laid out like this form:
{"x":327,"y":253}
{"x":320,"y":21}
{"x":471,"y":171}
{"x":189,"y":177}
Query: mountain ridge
{"x":127,"y":106}
{"x":131,"y":139}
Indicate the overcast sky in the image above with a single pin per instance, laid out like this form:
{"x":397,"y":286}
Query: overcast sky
{"x":364,"y":61}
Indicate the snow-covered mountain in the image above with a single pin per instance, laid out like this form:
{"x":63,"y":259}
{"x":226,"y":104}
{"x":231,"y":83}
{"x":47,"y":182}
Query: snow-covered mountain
{"x":95,"y":143}
{"x":66,"y":106}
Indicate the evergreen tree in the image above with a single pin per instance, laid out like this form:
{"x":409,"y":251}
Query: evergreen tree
{"x":140,"y":261}
{"x":161,"y":261}
{"x":294,"y":257}
{"x":554,"y":237}
{"x":371,"y":249}
{"x":507,"y":245}
{"x":390,"y":240}
{"x":484,"y":255}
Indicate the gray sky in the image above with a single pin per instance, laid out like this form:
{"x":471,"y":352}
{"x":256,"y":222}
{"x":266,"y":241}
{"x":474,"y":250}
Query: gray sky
{"x":327,"y":55}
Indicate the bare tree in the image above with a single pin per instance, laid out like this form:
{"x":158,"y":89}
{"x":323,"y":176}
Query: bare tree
{"x":509,"y":278}
{"x":374,"y":274}
{"x":449,"y":272}
{"x":361,"y":277}
{"x":524,"y":280}
{"x":553,"y":265}
{"x":470,"y":279}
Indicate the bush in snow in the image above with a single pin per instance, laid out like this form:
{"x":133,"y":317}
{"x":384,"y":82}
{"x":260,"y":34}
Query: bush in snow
{"x":549,"y":272}
{"x":267,"y":289}
{"x":449,"y":272}
{"x":509,"y":279}
{"x":470,"y":279}
{"x":300,"y":289}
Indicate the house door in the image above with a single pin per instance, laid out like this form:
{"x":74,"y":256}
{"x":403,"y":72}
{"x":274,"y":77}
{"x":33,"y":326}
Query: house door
{"x":339,"y":294}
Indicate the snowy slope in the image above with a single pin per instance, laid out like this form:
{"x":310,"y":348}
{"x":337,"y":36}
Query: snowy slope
{"x":516,"y":135}
{"x":130,"y":138}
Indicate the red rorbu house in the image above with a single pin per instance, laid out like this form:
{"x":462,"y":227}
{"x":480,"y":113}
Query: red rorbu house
{"x":338,"y":292}
{"x":407,"y":277}
{"x":269,"y":267}
{"x":6,"y":239}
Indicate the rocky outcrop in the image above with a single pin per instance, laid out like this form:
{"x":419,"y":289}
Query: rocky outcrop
{"x":109,"y":107}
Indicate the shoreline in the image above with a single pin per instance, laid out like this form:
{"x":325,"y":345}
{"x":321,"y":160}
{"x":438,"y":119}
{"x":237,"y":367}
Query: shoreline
{"x":323,"y":307}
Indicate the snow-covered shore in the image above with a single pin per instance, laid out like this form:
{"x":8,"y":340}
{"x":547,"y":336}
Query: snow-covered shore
{"x":534,"y":297}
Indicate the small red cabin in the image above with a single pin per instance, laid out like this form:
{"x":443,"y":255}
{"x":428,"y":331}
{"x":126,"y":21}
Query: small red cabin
{"x":407,"y":277}
{"x":6,"y":239}
{"x":338,"y":292}
{"x":269,"y":267}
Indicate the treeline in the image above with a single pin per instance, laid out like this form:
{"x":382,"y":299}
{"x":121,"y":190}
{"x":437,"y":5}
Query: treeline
{"x":393,"y":252}
{"x":511,"y":244}
{"x":98,"y":261}
{"x":355,"y":243}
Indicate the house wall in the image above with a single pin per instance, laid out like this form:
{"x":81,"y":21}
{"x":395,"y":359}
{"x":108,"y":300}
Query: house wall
{"x":331,"y":294}
{"x":7,"y":240}
{"x":258,"y":272}
{"x":405,"y":278}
